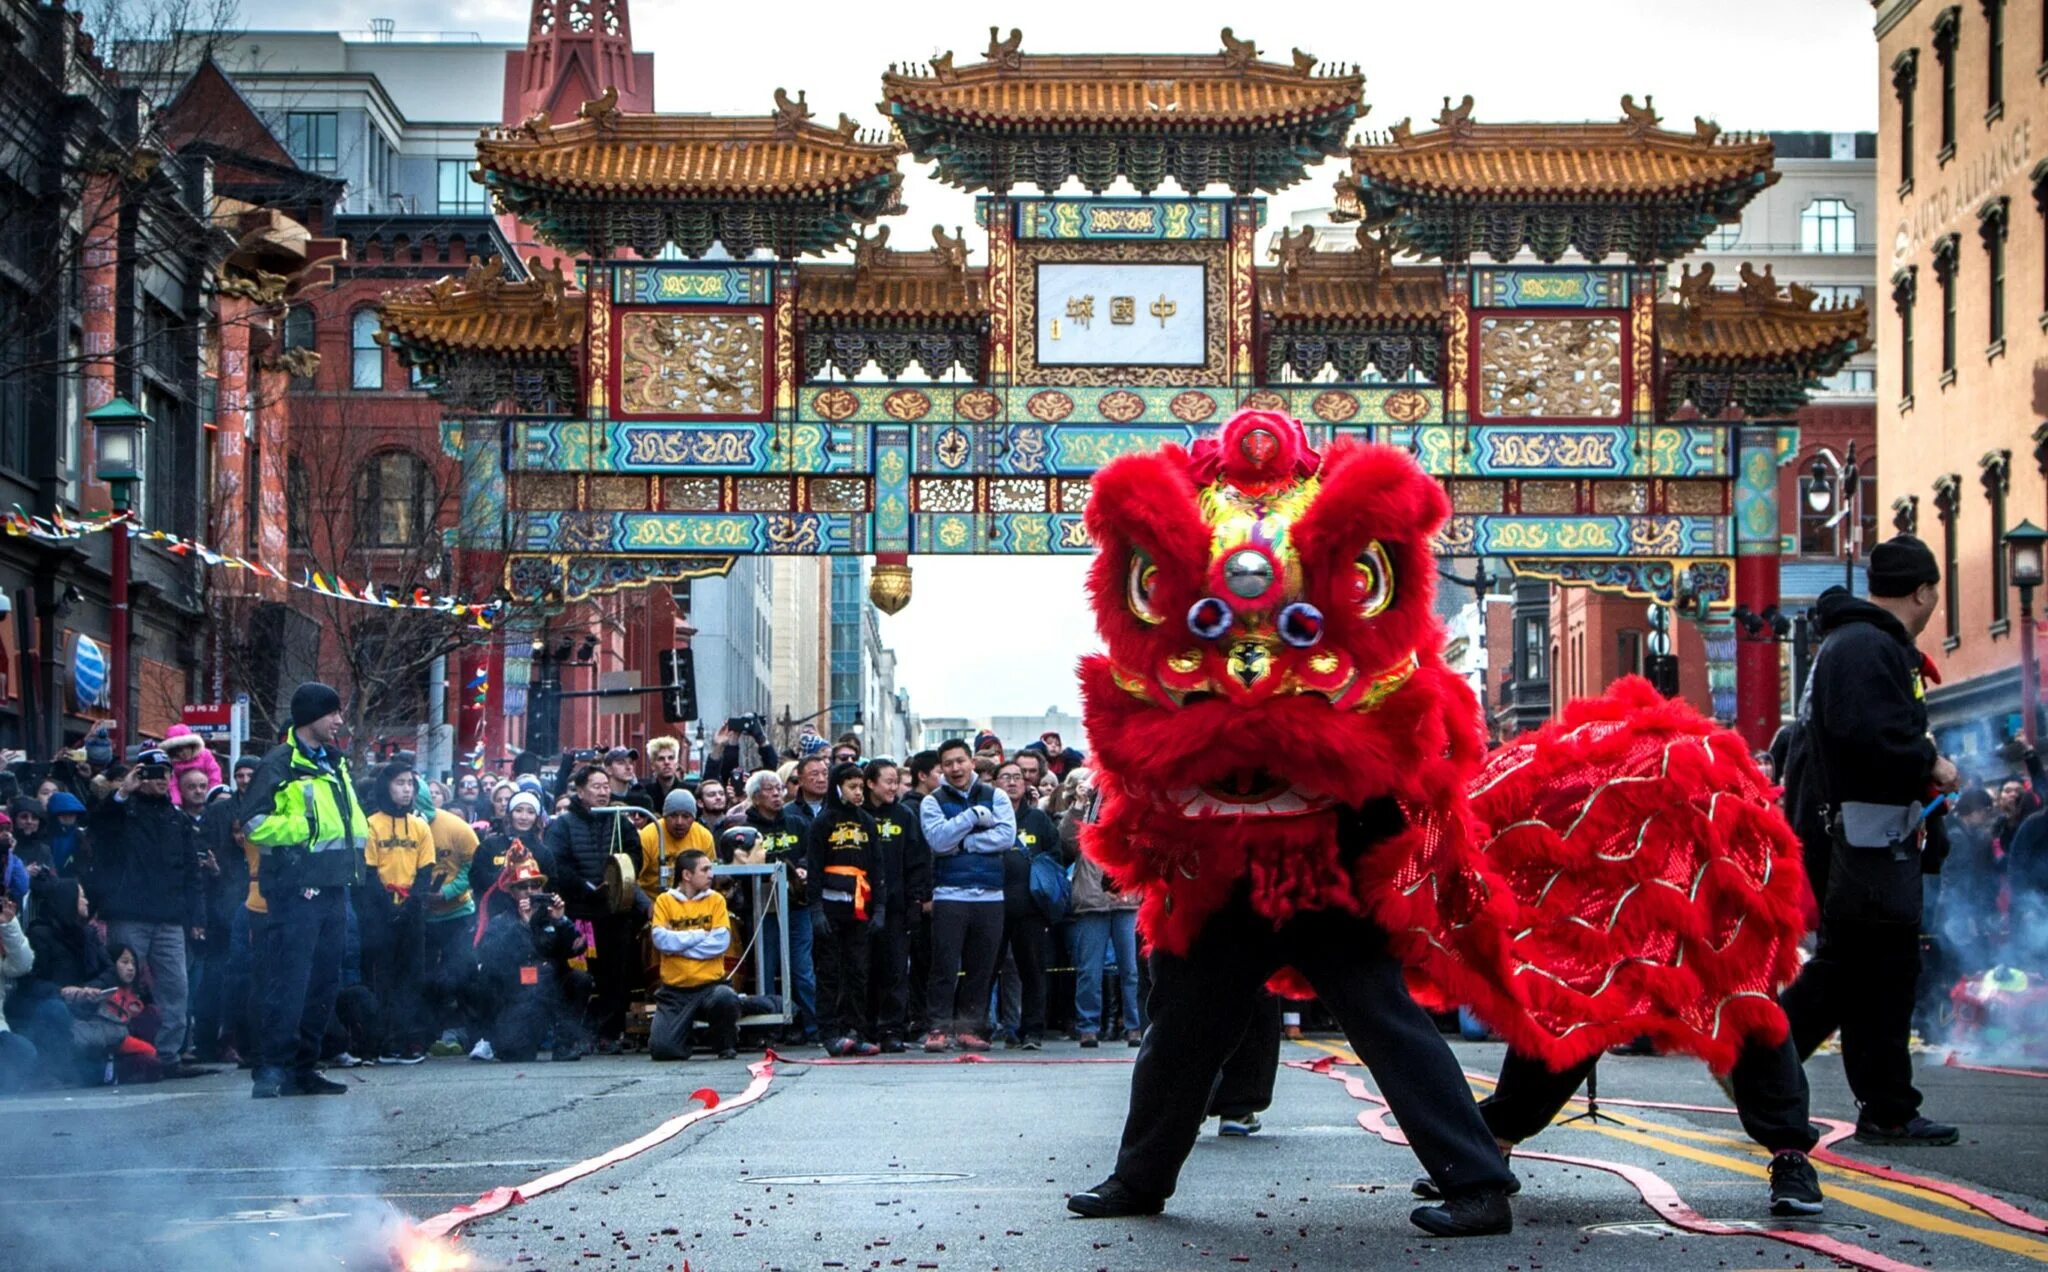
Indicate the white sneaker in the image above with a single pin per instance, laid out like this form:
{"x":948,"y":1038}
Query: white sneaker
{"x":482,"y":1050}
{"x":345,"y":1061}
{"x":1249,"y":1124}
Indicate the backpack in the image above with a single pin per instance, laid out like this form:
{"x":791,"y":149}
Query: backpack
{"x":1052,"y":886}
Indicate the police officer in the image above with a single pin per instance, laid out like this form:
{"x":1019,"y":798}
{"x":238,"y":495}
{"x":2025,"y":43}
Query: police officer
{"x":1857,"y":772}
{"x":304,"y":819}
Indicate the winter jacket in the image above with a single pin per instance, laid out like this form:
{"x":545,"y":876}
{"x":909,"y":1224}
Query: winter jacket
{"x":580,"y":841}
{"x":68,"y":951}
{"x":491,"y":854}
{"x":903,"y":858}
{"x":304,"y":817}
{"x":785,"y":838}
{"x":1092,"y":893}
{"x":1862,"y":737}
{"x":967,"y":860}
{"x":1035,"y":834}
{"x":64,"y":841}
{"x":146,"y":862}
{"x":17,"y":960}
{"x":202,"y":759}
{"x":841,"y":852}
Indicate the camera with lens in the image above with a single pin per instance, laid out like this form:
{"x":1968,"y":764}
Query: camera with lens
{"x":751,"y":725}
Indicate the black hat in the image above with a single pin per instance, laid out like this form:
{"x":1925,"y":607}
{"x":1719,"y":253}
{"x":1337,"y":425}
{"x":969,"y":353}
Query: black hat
{"x":1901,"y":565}
{"x":312,"y":701}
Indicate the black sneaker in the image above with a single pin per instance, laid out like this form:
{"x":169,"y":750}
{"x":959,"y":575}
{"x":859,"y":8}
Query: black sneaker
{"x":1795,"y":1187}
{"x":309,"y":1082}
{"x":729,"y":1053}
{"x":1425,"y":1187}
{"x":1114,"y":1199}
{"x":1474,"y":1214}
{"x":892,"y":1046}
{"x":1917,"y":1133}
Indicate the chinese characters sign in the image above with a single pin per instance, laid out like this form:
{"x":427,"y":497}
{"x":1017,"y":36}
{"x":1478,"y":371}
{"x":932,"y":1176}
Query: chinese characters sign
{"x":1120,"y":314}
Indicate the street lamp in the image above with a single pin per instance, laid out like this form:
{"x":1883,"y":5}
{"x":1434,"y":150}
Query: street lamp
{"x":117,"y":431}
{"x":2026,"y":546}
{"x":1840,"y":487}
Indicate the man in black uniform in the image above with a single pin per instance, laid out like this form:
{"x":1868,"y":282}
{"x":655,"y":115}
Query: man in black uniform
{"x":1856,"y":773}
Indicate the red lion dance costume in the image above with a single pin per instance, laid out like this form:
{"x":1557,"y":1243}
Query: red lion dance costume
{"x":1278,"y":741}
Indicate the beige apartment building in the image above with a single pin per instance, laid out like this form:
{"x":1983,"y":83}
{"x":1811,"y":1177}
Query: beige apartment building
{"x":1962,"y":330}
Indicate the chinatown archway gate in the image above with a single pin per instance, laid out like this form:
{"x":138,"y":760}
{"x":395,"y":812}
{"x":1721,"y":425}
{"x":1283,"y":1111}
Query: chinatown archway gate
{"x":634,"y":420}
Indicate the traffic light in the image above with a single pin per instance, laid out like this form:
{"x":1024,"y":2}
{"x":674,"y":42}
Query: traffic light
{"x":678,"y":685}
{"x":1662,"y":672}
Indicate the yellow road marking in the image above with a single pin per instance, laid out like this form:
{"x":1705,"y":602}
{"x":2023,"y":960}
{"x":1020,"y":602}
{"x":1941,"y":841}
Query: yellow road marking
{"x":2000,"y":1239}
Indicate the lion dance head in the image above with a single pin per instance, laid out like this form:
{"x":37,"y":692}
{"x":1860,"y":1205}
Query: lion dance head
{"x":1273,"y":658}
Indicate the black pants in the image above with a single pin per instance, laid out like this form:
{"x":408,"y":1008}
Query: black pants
{"x":918,"y":923}
{"x":1770,"y":1096}
{"x":614,"y":972}
{"x":519,"y":1018}
{"x":1861,"y":980}
{"x":675,"y":1018}
{"x":839,"y":950}
{"x":1201,"y":1004}
{"x":888,"y":974}
{"x":301,"y":970}
{"x":1245,"y":1085}
{"x":966,"y":947}
{"x":1028,"y":943}
{"x":394,"y":965}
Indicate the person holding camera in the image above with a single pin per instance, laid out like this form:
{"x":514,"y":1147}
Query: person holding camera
{"x":527,"y":990}
{"x":1862,"y":777}
{"x":146,"y":875}
{"x":723,"y":763}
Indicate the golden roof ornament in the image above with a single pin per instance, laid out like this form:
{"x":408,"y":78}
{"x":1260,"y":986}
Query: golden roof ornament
{"x":792,"y":115}
{"x":1004,"y":53}
{"x":1456,"y":119}
{"x":602,"y":110}
{"x":1642,"y":119}
{"x":1238,"y":54}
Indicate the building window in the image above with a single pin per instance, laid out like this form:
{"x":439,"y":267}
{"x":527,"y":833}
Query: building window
{"x":393,"y":494}
{"x":1948,"y":503}
{"x":1991,"y":227}
{"x":1994,"y":58}
{"x":1996,"y":477}
{"x":1628,"y":652}
{"x":1724,"y":237}
{"x":458,"y":192}
{"x":1851,"y":382}
{"x":14,"y":380}
{"x":312,"y":137}
{"x":2040,"y":179}
{"x":1534,"y":636}
{"x":1948,"y":24}
{"x":1905,"y":288}
{"x":1906,"y":78}
{"x":1827,"y":225}
{"x":1945,"y":254}
{"x":1837,"y":297}
{"x":299,"y":327}
{"x":366,"y":356}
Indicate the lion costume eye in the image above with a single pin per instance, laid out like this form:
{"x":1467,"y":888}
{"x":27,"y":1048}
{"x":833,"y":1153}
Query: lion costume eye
{"x":1375,"y":580}
{"x":1138,"y":584}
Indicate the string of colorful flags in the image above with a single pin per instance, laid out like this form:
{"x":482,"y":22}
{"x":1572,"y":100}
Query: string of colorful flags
{"x":62,"y":529}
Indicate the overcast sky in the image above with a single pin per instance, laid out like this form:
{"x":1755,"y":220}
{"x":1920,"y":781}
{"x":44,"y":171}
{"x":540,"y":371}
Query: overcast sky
{"x":983,"y":637}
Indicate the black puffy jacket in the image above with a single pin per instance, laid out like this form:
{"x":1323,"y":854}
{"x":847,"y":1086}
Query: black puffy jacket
{"x":579,"y":842}
{"x":146,"y":862}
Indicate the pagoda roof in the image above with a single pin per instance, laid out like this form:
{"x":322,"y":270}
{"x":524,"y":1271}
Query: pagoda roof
{"x":1018,"y":117}
{"x":1761,"y":346}
{"x":587,"y":183}
{"x":1646,"y":191}
{"x":1358,"y":288}
{"x":1761,"y":322}
{"x":482,"y":314}
{"x":892,"y":287}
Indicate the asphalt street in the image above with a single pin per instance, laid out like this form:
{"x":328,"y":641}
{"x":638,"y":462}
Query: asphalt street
{"x":945,"y":1166}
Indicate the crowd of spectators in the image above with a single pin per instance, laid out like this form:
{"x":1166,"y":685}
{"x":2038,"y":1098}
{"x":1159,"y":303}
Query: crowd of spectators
{"x":600,"y":903}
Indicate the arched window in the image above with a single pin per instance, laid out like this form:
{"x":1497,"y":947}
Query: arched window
{"x":1827,"y":225}
{"x":298,"y":497}
{"x":394,"y":498}
{"x":298,"y":327}
{"x":366,"y":356}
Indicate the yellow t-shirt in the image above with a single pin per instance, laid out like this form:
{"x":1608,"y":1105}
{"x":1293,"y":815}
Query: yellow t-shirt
{"x":398,"y":849}
{"x":659,"y":850}
{"x":454,"y":848}
{"x":687,"y":932}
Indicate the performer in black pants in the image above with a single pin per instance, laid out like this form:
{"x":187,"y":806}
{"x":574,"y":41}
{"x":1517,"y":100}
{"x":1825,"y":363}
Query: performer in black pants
{"x":1767,"y":1084}
{"x":1200,"y":1007}
{"x":1245,"y":1087}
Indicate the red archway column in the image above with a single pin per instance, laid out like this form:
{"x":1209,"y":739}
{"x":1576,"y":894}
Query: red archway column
{"x":1758,"y":701}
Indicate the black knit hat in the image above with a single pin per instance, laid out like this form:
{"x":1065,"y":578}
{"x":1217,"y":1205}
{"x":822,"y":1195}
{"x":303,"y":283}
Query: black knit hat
{"x":311,"y":701}
{"x":1901,"y":565}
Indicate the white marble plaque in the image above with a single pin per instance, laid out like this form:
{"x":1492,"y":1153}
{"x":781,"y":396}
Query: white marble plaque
{"x":1118,"y":314}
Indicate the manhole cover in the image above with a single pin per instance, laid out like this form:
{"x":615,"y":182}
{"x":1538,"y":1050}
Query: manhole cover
{"x":856,"y":1178}
{"x":1658,"y":1228}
